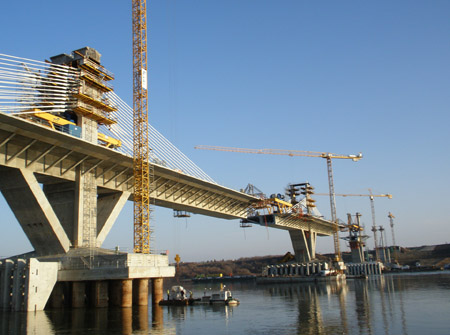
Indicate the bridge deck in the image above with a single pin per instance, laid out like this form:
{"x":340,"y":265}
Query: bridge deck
{"x":53,"y":156}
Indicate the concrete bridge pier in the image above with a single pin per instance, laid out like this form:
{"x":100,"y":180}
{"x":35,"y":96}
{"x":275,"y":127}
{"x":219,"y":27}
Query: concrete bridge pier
{"x":99,"y":296}
{"x":78,"y":294}
{"x":157,"y":290}
{"x":121,"y":293}
{"x":102,"y":293}
{"x":140,"y":292}
{"x":304,"y":244}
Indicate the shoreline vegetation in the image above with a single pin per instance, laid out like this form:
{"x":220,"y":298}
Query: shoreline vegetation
{"x":434,"y":256}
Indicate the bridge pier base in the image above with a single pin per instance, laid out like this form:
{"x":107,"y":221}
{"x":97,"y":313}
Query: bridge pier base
{"x":140,"y":292}
{"x":78,"y":294}
{"x":157,"y":290}
{"x":99,"y":293}
{"x":126,"y":292}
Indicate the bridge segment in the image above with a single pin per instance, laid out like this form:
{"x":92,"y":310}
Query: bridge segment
{"x":34,"y":155}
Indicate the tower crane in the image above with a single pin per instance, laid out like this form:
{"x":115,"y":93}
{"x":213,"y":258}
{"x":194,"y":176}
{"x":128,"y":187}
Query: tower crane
{"x":372,"y":207}
{"x":142,"y":169}
{"x":327,"y":155}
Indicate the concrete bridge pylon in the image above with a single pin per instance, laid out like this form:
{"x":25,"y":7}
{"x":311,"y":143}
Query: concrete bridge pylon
{"x":58,"y":216}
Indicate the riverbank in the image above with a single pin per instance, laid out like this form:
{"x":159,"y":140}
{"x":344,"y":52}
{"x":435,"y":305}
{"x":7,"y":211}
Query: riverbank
{"x":423,"y":258}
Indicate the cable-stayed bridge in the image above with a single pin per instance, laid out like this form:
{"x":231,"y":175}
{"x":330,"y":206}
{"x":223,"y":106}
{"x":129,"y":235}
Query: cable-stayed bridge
{"x":66,"y":168}
{"x":51,"y":152}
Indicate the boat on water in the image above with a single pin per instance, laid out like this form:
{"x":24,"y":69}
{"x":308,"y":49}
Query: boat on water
{"x":223,"y":297}
{"x":178,"y":296}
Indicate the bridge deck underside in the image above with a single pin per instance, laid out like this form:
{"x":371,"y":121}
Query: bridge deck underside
{"x":294,"y":222}
{"x":54,"y":157}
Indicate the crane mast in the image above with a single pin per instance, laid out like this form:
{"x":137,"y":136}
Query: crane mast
{"x":374,"y":227}
{"x":142,"y":170}
{"x":337,"y":247}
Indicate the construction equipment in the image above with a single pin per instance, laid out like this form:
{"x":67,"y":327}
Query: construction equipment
{"x":327,"y":155}
{"x":253,"y":190}
{"x":143,"y":170}
{"x":372,"y":206}
{"x":286,"y":258}
{"x":64,"y":125}
{"x":307,"y":190}
{"x":391,"y":219}
{"x":355,"y":238}
{"x":272,"y":205}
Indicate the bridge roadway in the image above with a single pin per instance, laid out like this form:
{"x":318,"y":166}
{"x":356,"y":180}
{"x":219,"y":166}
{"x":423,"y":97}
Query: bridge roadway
{"x":54,"y":156}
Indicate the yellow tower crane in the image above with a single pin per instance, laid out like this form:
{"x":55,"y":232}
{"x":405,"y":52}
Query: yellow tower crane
{"x":372,"y":207}
{"x":327,"y":155}
{"x":143,"y":170}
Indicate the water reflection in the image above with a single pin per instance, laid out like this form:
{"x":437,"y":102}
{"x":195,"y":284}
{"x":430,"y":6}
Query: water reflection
{"x":310,"y":297}
{"x":370,"y":306}
{"x":379,"y":305}
{"x":84,"y":321}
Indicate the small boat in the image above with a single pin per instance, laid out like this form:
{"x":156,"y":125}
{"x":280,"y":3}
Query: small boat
{"x":223,"y":297}
{"x":177,"y":296}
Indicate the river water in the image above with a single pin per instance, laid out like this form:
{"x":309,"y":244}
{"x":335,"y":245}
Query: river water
{"x":414,"y":303}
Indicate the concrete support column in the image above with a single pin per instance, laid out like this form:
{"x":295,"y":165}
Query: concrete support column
{"x":78,"y":294}
{"x":140,"y":292}
{"x":157,"y":290}
{"x":114,"y":293}
{"x":121,"y":293}
{"x":300,"y":245}
{"x":311,"y":240}
{"x":127,"y":293}
{"x":100,"y":293}
{"x":32,"y":209}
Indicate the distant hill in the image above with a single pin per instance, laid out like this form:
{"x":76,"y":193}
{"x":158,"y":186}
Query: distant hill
{"x":434,"y":255}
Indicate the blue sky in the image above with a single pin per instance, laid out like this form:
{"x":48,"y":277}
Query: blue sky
{"x":343,"y":77}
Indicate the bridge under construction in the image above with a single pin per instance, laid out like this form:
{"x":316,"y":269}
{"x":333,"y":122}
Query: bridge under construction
{"x":66,"y":171}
